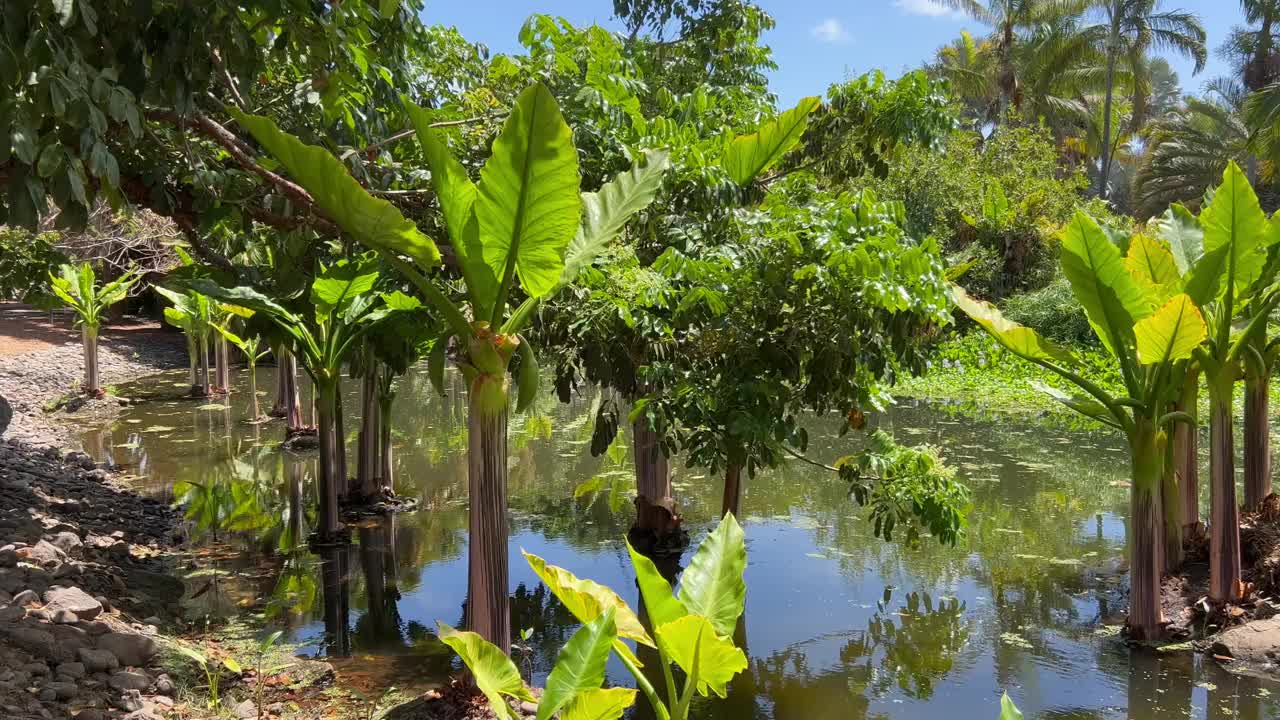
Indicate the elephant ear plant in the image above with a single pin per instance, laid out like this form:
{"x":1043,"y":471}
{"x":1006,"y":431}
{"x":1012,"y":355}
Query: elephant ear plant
{"x":692,"y":629}
{"x":524,"y":225}
{"x":76,"y":287}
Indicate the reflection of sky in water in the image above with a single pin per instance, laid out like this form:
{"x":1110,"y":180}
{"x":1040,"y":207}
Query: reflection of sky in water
{"x":1016,"y":607}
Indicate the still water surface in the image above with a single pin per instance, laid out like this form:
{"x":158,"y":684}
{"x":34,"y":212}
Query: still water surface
{"x":838,"y":623}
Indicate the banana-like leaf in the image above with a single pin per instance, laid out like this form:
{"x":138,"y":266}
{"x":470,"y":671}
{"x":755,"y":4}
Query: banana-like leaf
{"x":178,"y":318}
{"x":712,"y":585}
{"x":340,"y":284}
{"x":580,"y":664}
{"x":1112,"y":300}
{"x":1009,"y":711}
{"x":457,"y":197}
{"x":1181,"y":231}
{"x":692,"y":643}
{"x":493,"y":671}
{"x":1171,"y":333}
{"x":600,"y":704}
{"x":243,"y":296}
{"x":1018,"y":339}
{"x":373,"y":221}
{"x":528,"y":205}
{"x":604,"y":213}
{"x":1153,"y":267}
{"x":1087,"y":406}
{"x":529,"y":376}
{"x":588,"y":600}
{"x":659,"y":598}
{"x":750,"y":155}
{"x":435,"y":362}
{"x":1235,"y":230}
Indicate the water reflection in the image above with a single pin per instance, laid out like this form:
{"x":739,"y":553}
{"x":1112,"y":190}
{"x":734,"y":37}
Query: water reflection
{"x":838,"y":624}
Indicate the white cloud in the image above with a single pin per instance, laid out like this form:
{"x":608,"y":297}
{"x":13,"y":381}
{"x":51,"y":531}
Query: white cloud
{"x":928,"y":8}
{"x":830,"y":30}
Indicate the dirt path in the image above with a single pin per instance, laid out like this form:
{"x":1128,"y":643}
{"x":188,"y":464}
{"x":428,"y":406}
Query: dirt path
{"x":25,"y":329}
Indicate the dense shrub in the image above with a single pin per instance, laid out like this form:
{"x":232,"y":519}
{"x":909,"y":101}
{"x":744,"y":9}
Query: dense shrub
{"x":25,"y":262}
{"x":1054,"y":312}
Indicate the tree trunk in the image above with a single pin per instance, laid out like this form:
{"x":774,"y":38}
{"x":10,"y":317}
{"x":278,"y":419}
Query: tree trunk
{"x":192,"y":361}
{"x":370,"y":435}
{"x":340,"y":440}
{"x":1145,"y":546}
{"x":1257,"y":440}
{"x":487,"y":599}
{"x":253,"y":391}
{"x":336,"y":584}
{"x":1171,"y":502}
{"x":201,"y":388}
{"x":656,"y":515}
{"x":278,"y":408}
{"x":1104,"y":172}
{"x":386,"y":471}
{"x":222,"y":359}
{"x":732,"y":490}
{"x":326,"y":406}
{"x":90,"y":338}
{"x":1224,"y":513}
{"x":1186,"y":450}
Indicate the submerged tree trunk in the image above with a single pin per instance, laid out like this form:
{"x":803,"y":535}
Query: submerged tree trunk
{"x":326,"y":407}
{"x":201,"y":387}
{"x":1186,"y":450}
{"x":253,"y":391}
{"x":278,"y":408}
{"x":222,"y":357}
{"x":732,"y":490}
{"x":1171,"y":502}
{"x":192,"y":360}
{"x":386,"y":473}
{"x":1145,"y":545}
{"x":656,"y":516}
{"x":370,"y":435}
{"x":487,"y":600}
{"x":340,"y":440}
{"x":1257,"y":439}
{"x":90,"y":338}
{"x":1224,"y":513}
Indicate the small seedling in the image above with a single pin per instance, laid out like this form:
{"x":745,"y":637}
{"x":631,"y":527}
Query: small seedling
{"x":212,"y":672}
{"x":260,"y":677}
{"x":525,"y":651}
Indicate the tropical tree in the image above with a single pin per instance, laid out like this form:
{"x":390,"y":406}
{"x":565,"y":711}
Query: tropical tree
{"x":524,"y":221}
{"x":192,"y":313}
{"x":966,"y":65}
{"x":1129,"y":29}
{"x":76,"y":287}
{"x":1136,"y":305}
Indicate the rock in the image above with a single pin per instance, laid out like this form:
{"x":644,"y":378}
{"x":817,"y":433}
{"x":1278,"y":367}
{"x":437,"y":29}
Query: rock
{"x":48,"y":694}
{"x":129,"y":680}
{"x":528,"y":708}
{"x":74,"y":600}
{"x":130,"y":701}
{"x":42,"y":553}
{"x":64,"y":690}
{"x":66,"y":541}
{"x":12,"y":613}
{"x":97,"y":660}
{"x":131,"y":650}
{"x":1256,"y":642}
{"x":89,"y":714}
{"x":143,"y":714}
{"x":80,"y":460}
{"x":73,"y":670}
{"x":164,"y":685}
{"x":161,"y":700}
{"x":94,"y":627}
{"x":37,"y":669}
{"x":38,"y":642}
{"x":64,"y":617}
{"x":26,"y":598}
{"x":245,"y":710}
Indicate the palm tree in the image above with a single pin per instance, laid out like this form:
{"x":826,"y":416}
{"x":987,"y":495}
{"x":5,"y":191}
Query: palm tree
{"x":1252,"y":51}
{"x":967,"y":65}
{"x":1129,"y":29}
{"x":1009,"y":19}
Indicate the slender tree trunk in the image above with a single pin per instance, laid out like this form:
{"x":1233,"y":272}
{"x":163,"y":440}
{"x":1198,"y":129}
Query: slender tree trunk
{"x":732,"y":490}
{"x":1224,"y":512}
{"x":90,"y":339}
{"x":487,"y":599}
{"x":192,"y":360}
{"x":326,"y":406}
{"x":1145,"y":545}
{"x":1104,"y":172}
{"x":340,"y":440}
{"x":655,"y":502}
{"x":1186,"y":450}
{"x":201,"y":388}
{"x":386,"y":471}
{"x":223,"y":362}
{"x":370,"y":435}
{"x":1171,"y":502}
{"x":1257,"y":439}
{"x":253,"y":390}
{"x":278,"y":408}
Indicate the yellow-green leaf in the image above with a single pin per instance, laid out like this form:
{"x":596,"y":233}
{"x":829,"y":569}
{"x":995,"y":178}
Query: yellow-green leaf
{"x":659,"y":599}
{"x":600,"y":704}
{"x":1152,"y":265}
{"x":588,"y":600}
{"x":1181,"y":231}
{"x":1112,"y":300}
{"x":691,"y":642}
{"x":1018,"y":339}
{"x":373,"y":221}
{"x":750,"y":155}
{"x":712,"y":585}
{"x":1172,"y":333}
{"x":528,"y":206}
{"x":493,"y":671}
{"x":580,"y":664}
{"x":1235,"y":229}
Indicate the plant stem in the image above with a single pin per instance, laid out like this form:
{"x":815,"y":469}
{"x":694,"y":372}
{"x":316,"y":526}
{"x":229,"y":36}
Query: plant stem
{"x":646,"y":687}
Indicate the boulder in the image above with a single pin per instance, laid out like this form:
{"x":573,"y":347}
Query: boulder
{"x":97,"y":660}
{"x":129,"y":680}
{"x":26,"y":598}
{"x":130,"y":649}
{"x":130,"y":701}
{"x":73,"y":670}
{"x":36,"y":641}
{"x":245,"y":710}
{"x":1256,"y":642}
{"x":64,"y":690}
{"x":74,"y":600}
{"x":13,"y":613}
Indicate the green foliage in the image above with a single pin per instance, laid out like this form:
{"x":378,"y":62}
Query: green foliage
{"x":26,"y":259}
{"x":77,"y":287}
{"x":1053,"y":312}
{"x":494,"y":673}
{"x":212,"y":671}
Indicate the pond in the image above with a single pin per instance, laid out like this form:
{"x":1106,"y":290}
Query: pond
{"x":838,"y":624}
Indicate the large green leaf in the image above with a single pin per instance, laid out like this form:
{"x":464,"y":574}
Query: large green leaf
{"x":243,"y":296}
{"x":1235,"y":230}
{"x":1171,"y":333}
{"x":604,"y":213}
{"x":373,"y":221}
{"x":1153,"y":267}
{"x":600,"y":704}
{"x":528,"y":205}
{"x":529,"y":375}
{"x":1083,"y":404}
{"x":457,"y":197}
{"x":692,"y":643}
{"x":750,"y":155}
{"x":1009,"y":711}
{"x":1112,"y":300}
{"x":580,"y":664}
{"x":712,"y":585}
{"x":1018,"y":339}
{"x":659,"y":599}
{"x":339,"y":284}
{"x":588,"y":600}
{"x":493,"y":671}
{"x":1181,"y":231}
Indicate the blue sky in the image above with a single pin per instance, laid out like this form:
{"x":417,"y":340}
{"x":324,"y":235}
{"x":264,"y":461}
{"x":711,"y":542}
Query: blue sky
{"x":815,"y":43}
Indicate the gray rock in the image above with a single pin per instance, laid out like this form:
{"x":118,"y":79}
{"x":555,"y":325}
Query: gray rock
{"x":130,"y":701}
{"x":26,"y":598}
{"x":98,"y":660}
{"x":37,"y":669}
{"x":89,"y":714}
{"x":74,"y":600}
{"x":64,"y":690}
{"x":131,"y":650}
{"x":1256,"y":642}
{"x":12,"y":613}
{"x":48,"y":694}
{"x":66,"y":541}
{"x":245,"y":710}
{"x":528,"y":708}
{"x":42,"y":553}
{"x":38,"y":642}
{"x":73,"y":670}
{"x":164,"y":685}
{"x":129,"y":680}
{"x":64,"y":617}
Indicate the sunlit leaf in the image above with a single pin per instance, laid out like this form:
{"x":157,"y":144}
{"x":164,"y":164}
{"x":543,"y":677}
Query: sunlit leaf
{"x":1235,"y":229}
{"x":712,"y":585}
{"x":1112,"y":300}
{"x":1021,"y":340}
{"x":692,"y":643}
{"x":750,"y":155}
{"x":587,"y":600}
{"x":1172,"y":333}
{"x":600,"y":704}
{"x":493,"y":671}
{"x":659,"y":599}
{"x":580,"y":664}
